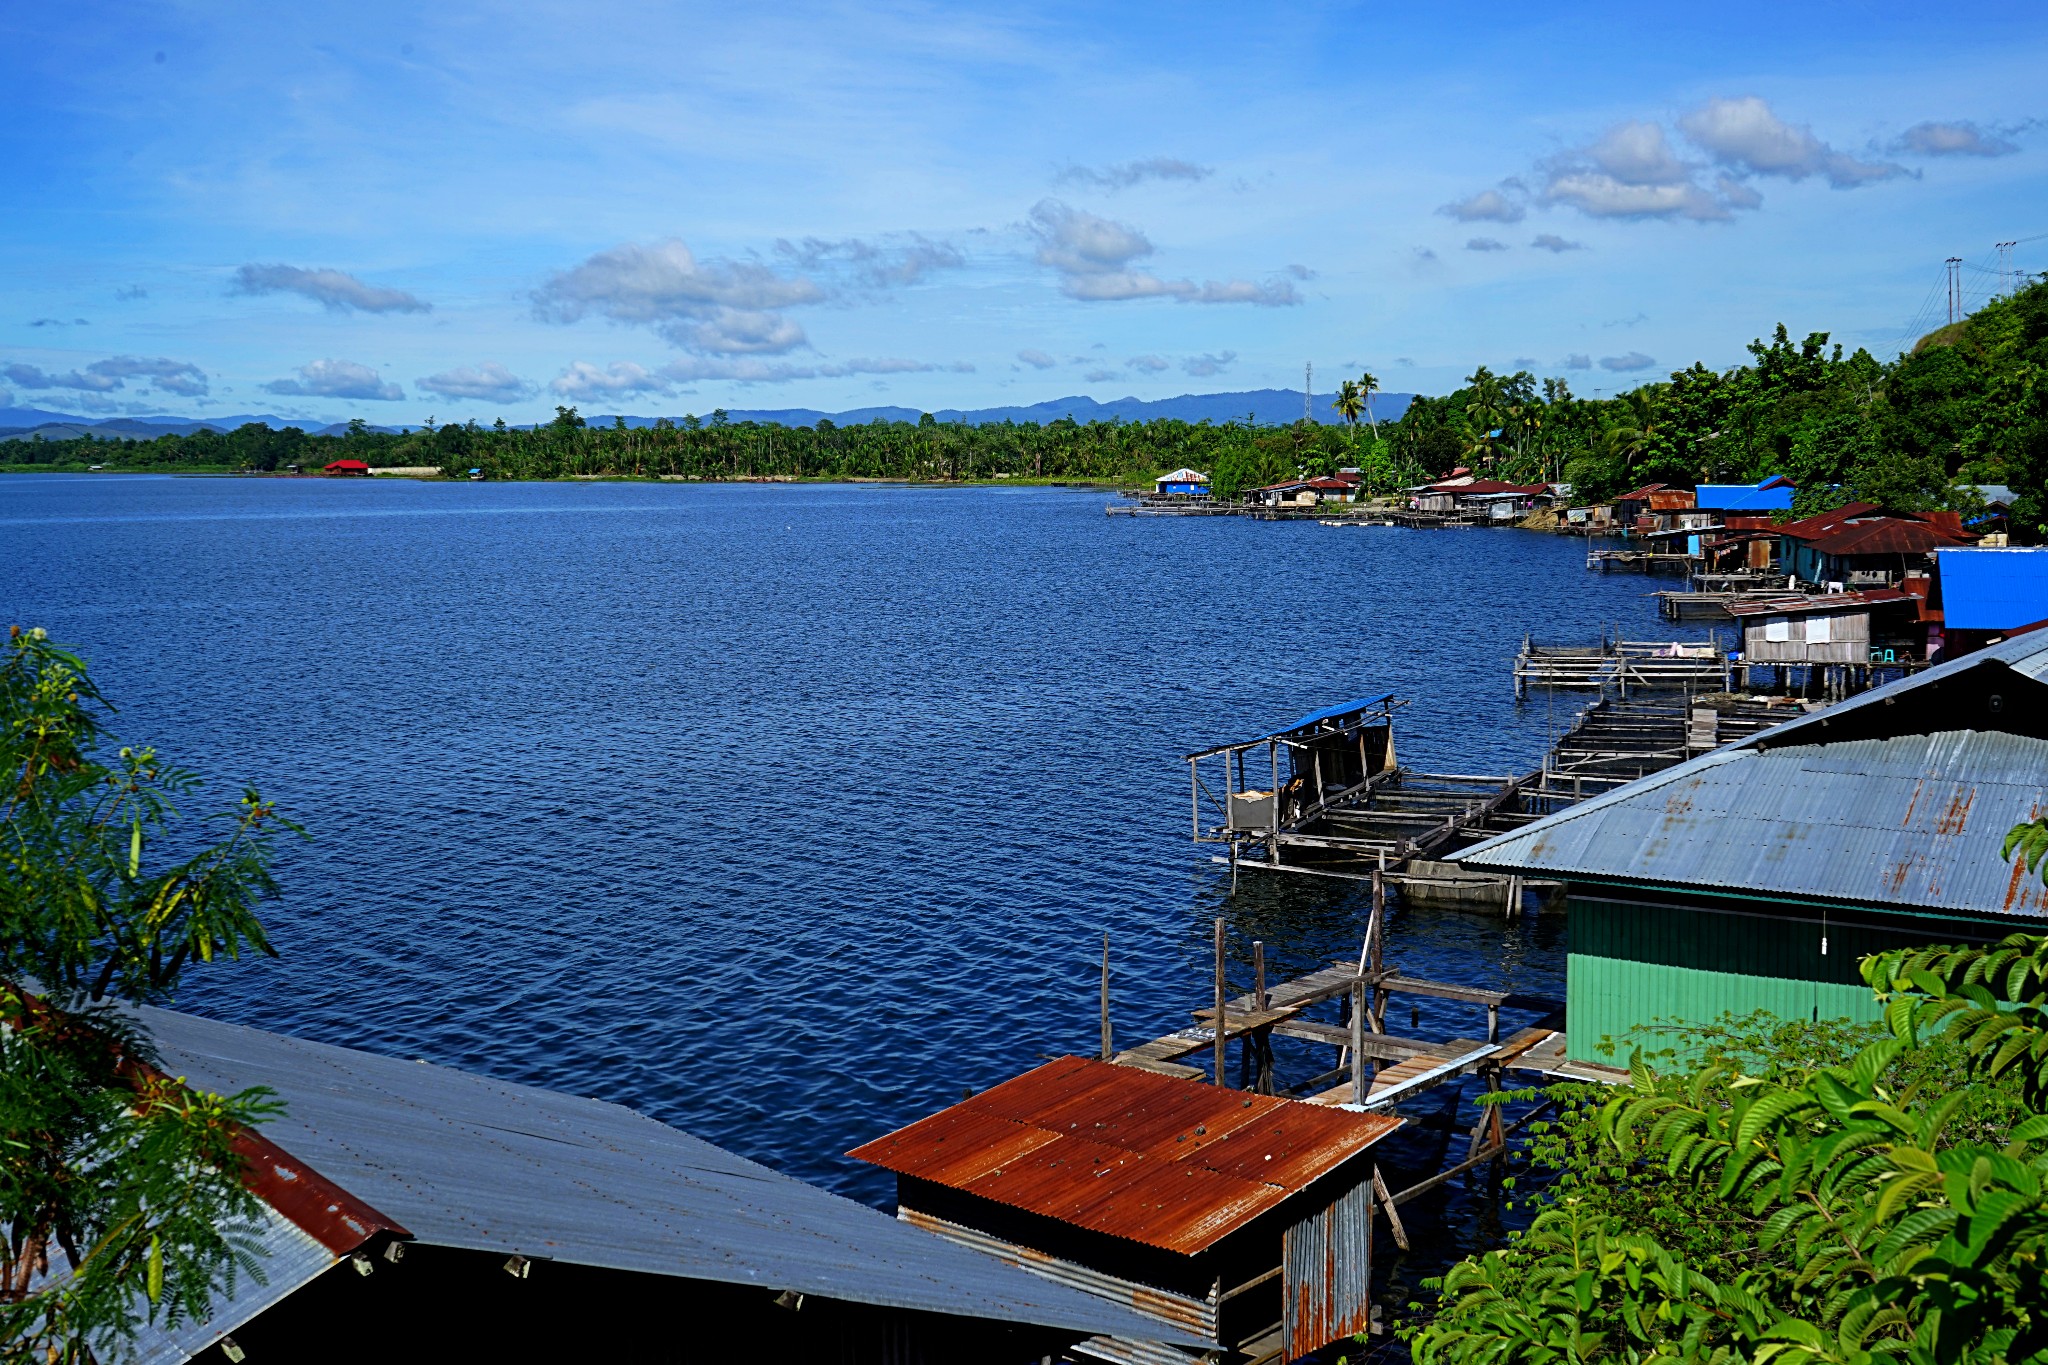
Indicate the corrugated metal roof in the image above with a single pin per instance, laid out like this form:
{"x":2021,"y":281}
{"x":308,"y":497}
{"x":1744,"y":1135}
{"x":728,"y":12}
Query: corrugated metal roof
{"x":1807,"y":605}
{"x":1771,"y":495}
{"x":1993,"y":589}
{"x":1332,"y":712}
{"x":467,"y":1161}
{"x":1167,"y":1162}
{"x":291,"y":1257}
{"x":1884,"y":536}
{"x":1910,"y":819}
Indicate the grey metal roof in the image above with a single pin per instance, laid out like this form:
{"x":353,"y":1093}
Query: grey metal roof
{"x":465,"y":1161}
{"x":1912,"y":820}
{"x":290,"y":1258}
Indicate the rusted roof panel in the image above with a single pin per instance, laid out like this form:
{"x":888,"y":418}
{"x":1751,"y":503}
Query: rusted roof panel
{"x":1167,"y":1162}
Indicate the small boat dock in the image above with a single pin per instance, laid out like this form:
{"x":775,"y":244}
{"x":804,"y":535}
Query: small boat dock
{"x":1625,"y":665}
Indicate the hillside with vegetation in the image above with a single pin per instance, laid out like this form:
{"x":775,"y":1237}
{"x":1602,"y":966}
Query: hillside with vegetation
{"x":1967,"y":406}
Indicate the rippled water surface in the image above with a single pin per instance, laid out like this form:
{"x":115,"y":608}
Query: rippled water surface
{"x":780,"y":813}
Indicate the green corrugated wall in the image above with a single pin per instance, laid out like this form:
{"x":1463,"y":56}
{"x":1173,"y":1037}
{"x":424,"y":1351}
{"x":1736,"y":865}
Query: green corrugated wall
{"x":1634,"y":963}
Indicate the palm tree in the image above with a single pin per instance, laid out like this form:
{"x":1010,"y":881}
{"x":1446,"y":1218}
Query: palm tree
{"x":1350,"y":402}
{"x":1367,"y":386}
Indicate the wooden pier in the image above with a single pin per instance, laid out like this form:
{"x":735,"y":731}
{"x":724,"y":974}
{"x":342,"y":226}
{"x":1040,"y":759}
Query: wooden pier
{"x":1625,"y":665}
{"x":1373,"y":1070}
{"x":1326,"y":797}
{"x":1642,"y":561}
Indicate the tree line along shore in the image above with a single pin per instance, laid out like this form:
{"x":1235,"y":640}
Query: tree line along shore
{"x":1967,"y":406}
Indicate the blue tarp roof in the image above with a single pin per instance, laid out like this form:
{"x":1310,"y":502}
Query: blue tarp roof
{"x":1993,"y":589}
{"x":1744,"y":497}
{"x":1332,"y":712}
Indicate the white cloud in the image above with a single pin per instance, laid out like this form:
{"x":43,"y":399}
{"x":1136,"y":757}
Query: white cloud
{"x":1744,"y":134}
{"x":583,"y":380}
{"x":1960,"y":138}
{"x":1550,"y":241}
{"x":1487,"y":206}
{"x":489,"y":382}
{"x":1149,"y":364}
{"x":892,"y":263}
{"x":1126,"y":174}
{"x":724,"y":307}
{"x":1599,"y":195}
{"x":1485,"y":244}
{"x":178,"y":377}
{"x":1634,"y":360}
{"x":1037,"y":359}
{"x":1099,"y":376}
{"x":1205,"y":366}
{"x":1301,"y":272}
{"x":337,"y":379}
{"x":1636,"y":153}
{"x":336,"y":290}
{"x":1578,"y":361}
{"x":1093,"y":257}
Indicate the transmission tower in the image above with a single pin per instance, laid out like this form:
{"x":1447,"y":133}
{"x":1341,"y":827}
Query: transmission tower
{"x":1955,"y":288}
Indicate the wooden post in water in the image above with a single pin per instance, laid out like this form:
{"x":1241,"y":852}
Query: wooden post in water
{"x":1358,"y":1041}
{"x":1221,"y":1022}
{"x":1273,"y":854}
{"x":1107,"y":1049}
{"x":1376,"y":935}
{"x":1261,"y":1044}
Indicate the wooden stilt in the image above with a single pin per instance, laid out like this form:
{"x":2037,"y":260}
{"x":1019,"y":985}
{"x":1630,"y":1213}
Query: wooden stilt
{"x":1108,"y":1049}
{"x":1221,"y":1024}
{"x":1386,"y":1201}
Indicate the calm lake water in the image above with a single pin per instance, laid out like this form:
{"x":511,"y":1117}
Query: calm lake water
{"x":782,"y":814}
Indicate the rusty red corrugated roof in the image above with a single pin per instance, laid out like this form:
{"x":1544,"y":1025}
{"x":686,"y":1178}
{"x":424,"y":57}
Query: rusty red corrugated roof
{"x":1172,"y":1163}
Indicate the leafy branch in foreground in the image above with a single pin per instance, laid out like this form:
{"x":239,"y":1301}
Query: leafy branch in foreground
{"x":121,"y":1197}
{"x":1787,"y":1200}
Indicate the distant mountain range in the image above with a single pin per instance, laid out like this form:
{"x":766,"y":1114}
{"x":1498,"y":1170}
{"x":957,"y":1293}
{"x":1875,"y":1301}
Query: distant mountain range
{"x":1264,"y":406}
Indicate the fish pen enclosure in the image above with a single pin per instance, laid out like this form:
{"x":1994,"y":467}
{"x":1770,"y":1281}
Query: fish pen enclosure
{"x":1327,"y":796}
{"x":1639,"y":665}
{"x":1614,"y":741}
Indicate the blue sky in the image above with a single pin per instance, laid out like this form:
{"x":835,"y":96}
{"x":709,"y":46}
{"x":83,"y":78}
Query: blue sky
{"x":466,"y":210}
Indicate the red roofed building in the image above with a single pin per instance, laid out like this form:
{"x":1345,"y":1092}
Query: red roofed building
{"x":1857,"y":544}
{"x":1237,"y":1217}
{"x":345,"y":467}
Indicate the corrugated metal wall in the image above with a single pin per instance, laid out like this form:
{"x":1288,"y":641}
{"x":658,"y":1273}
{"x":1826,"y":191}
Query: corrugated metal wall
{"x":1633,"y":963}
{"x":1326,"y":1274}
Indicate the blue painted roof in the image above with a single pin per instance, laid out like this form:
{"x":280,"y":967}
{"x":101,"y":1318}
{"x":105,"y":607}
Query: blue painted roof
{"x":1907,"y":820}
{"x":1993,"y":589}
{"x":1744,"y":497}
{"x":1332,"y":712}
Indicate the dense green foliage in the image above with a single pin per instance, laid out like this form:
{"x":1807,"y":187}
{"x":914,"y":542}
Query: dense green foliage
{"x":1794,"y":1193}
{"x":120,"y":1191}
{"x":1969,"y":406}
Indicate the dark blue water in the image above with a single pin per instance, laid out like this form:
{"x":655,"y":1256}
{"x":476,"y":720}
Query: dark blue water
{"x":779,"y":813}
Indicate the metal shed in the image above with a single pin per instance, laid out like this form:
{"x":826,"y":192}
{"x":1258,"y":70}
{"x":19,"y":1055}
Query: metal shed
{"x":1245,"y":1220}
{"x":448,"y":1215}
{"x":1757,"y":875}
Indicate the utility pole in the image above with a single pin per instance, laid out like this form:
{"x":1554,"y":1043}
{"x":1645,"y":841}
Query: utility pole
{"x":1308,"y":386}
{"x":1955,"y":287}
{"x":2005,"y":268}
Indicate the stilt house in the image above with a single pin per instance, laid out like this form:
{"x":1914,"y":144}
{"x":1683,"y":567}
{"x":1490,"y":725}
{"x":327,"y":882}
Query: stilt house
{"x":1243,"y":1220}
{"x":1757,"y":875}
